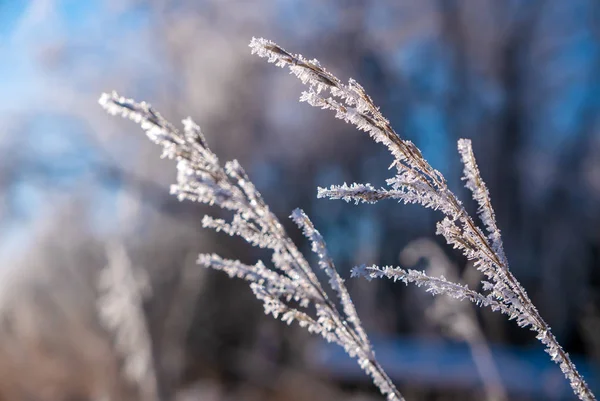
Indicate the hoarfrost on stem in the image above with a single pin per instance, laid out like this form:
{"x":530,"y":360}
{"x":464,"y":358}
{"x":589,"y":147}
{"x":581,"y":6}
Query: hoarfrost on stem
{"x":290,"y":290}
{"x":415,"y":181}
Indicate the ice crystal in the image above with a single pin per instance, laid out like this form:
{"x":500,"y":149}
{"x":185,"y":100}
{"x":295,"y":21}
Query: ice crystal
{"x":290,"y":290}
{"x":416,"y":181}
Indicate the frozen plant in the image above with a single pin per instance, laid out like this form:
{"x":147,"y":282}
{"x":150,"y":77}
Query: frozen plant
{"x":290,"y":290}
{"x":457,"y":318}
{"x":122,"y":291}
{"x":415,"y":181}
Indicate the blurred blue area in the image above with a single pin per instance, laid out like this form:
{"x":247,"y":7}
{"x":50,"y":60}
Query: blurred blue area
{"x":10,"y":15}
{"x":525,"y":372}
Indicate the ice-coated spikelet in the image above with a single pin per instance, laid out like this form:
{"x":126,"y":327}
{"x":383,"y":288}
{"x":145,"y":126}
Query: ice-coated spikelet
{"x":290,"y":290}
{"x":416,"y":181}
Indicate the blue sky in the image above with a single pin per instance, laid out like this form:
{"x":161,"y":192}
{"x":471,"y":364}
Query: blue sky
{"x":89,"y":30}
{"x":28,"y":27}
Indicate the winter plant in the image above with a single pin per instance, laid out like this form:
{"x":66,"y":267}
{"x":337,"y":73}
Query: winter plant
{"x":122,"y":291}
{"x":290,"y":289}
{"x":458,"y":319}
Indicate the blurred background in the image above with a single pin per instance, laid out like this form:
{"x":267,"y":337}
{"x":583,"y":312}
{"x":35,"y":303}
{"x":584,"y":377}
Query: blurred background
{"x":521,"y":78}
